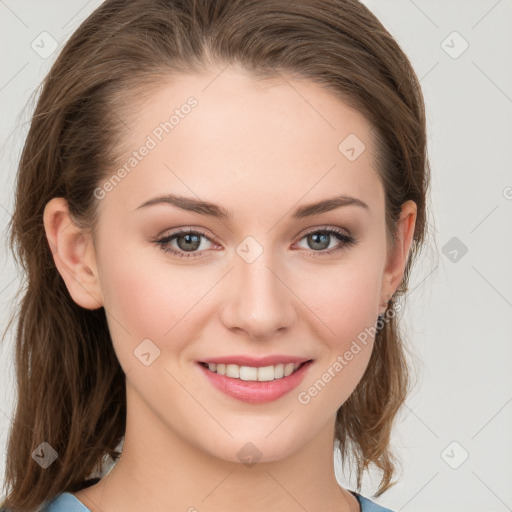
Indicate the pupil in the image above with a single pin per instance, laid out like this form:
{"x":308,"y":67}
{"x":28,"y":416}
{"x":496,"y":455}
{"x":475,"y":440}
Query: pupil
{"x":188,"y":238}
{"x":315,"y":237}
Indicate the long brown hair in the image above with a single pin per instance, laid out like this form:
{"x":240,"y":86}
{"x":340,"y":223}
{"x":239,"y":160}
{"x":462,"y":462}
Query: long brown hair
{"x":70,"y":386}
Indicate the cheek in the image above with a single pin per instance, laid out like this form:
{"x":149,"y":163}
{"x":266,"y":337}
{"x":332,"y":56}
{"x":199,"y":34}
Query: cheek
{"x":147,"y":297}
{"x":346,"y":305}
{"x":344,"y":299}
{"x":144,"y":300}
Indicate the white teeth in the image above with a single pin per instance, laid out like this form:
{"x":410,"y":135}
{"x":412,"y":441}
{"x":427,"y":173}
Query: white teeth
{"x":233,"y":371}
{"x":264,"y":373}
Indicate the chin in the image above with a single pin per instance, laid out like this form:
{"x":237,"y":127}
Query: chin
{"x":259,"y":450}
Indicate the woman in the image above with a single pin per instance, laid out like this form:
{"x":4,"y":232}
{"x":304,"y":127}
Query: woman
{"x":216,"y":202}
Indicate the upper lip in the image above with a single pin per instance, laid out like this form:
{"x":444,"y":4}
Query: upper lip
{"x":256,"y":362}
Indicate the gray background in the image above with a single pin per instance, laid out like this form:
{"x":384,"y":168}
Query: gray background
{"x":454,"y":434}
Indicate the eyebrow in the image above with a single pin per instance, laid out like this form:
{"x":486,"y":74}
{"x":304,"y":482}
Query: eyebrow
{"x":213,"y":210}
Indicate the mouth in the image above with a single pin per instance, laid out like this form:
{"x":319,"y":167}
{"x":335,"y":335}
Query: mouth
{"x":255,"y":384}
{"x":255,"y":373}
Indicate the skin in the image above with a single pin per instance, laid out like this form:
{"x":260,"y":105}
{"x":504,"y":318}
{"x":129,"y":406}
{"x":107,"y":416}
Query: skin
{"x":259,"y":149}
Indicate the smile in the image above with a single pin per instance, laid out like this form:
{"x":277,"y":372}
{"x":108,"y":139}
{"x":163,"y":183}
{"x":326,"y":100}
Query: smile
{"x":251,"y":373}
{"x":255,"y":384}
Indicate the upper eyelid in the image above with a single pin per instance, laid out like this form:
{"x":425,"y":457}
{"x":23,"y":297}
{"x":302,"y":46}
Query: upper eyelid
{"x":346,"y":239}
{"x":184,"y":231}
{"x":301,"y":235}
{"x":204,"y":233}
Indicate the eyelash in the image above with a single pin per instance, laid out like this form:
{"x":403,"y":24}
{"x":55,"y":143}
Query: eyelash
{"x":347,"y":241}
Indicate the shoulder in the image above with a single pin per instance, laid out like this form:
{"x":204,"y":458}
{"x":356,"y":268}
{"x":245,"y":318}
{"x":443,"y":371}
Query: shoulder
{"x":65,"y":502}
{"x":368,"y":505}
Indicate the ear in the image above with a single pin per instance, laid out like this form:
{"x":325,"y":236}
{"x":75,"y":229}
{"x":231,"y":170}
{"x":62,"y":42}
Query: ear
{"x":73,"y":253}
{"x":396,"y":262}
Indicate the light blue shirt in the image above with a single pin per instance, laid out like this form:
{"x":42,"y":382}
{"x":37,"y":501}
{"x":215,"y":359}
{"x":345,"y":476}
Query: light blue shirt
{"x":67,"y":502}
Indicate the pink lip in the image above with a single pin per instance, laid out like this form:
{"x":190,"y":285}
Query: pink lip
{"x":257,"y":362}
{"x":255,"y":392}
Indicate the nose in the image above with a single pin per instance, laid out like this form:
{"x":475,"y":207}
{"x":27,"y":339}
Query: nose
{"x":258,"y":300}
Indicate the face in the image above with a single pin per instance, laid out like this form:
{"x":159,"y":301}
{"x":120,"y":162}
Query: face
{"x":183,"y":285}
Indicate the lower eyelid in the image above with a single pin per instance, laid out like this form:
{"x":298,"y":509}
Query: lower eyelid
{"x":166,"y":240}
{"x":345,"y":240}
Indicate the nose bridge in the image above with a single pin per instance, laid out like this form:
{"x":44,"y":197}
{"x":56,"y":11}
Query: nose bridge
{"x":261,"y":303}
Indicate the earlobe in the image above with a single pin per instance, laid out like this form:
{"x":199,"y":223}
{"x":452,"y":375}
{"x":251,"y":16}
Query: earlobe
{"x":73,"y":254}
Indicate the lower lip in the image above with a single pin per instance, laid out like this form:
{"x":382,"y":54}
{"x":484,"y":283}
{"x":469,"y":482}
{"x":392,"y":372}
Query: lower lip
{"x":256,"y":392}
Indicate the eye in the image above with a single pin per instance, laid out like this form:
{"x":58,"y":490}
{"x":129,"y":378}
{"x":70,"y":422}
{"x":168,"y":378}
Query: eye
{"x":189,"y":242}
{"x":321,"y":239}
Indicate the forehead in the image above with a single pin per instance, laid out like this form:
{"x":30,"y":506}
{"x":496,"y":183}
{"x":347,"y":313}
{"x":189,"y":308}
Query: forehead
{"x":219,"y":134}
